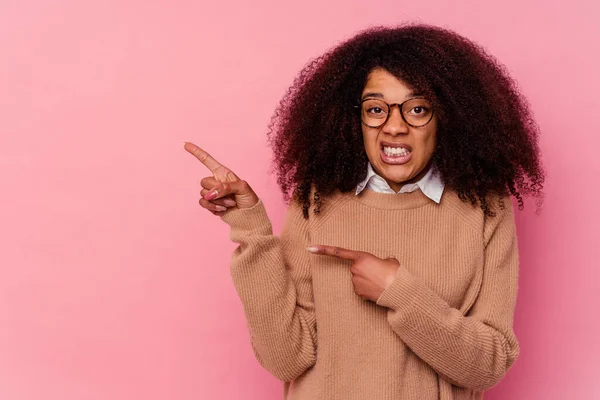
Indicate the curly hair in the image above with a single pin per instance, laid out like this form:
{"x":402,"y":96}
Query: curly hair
{"x":487,"y":139}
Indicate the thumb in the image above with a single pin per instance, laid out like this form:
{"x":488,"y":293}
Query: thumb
{"x":392,"y":259}
{"x":245,"y":197}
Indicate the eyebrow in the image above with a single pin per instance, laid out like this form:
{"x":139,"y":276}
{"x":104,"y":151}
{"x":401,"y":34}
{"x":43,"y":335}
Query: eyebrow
{"x":380,"y":96}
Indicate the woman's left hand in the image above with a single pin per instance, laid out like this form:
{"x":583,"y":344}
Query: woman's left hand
{"x":371,"y":275}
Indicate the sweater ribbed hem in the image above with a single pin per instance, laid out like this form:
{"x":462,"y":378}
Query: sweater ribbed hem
{"x":399,"y":295}
{"x":250,"y":220}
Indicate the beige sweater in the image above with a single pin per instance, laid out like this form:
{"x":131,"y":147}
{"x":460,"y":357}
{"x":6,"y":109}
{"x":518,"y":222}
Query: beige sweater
{"x":441,"y":330}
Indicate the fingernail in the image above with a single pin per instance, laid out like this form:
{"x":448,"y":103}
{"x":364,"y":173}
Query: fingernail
{"x":313,"y":249}
{"x":211,"y":195}
{"x":221,"y":208}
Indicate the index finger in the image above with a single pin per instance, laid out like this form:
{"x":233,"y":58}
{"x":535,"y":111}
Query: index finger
{"x":334,"y":251}
{"x":203,"y":156}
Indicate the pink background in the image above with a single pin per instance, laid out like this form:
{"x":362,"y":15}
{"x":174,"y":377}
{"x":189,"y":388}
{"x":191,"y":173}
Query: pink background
{"x":115,"y":283}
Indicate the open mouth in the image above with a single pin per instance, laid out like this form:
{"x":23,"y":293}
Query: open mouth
{"x":395,"y":153}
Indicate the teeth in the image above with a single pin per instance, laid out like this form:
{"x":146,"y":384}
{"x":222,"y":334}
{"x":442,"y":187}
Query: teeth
{"x":395,"y":151}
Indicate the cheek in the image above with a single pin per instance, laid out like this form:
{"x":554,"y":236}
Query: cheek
{"x":426,"y":149}
{"x":427,"y":146}
{"x":370,"y":141}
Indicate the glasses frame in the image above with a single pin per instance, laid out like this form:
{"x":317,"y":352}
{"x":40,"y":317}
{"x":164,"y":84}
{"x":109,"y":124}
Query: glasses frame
{"x":359,"y":107}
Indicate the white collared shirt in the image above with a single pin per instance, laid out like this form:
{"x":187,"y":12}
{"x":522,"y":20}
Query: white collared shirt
{"x":430,"y":184}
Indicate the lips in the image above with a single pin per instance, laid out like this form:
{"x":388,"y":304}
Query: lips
{"x":396,"y":145}
{"x":396,"y":159}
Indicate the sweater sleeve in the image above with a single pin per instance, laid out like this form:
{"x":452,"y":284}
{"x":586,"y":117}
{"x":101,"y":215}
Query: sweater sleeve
{"x":473,"y":350}
{"x":272,"y":277}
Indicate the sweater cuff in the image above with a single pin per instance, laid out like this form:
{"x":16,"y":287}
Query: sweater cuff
{"x":401,"y":293}
{"x":249,"y":220}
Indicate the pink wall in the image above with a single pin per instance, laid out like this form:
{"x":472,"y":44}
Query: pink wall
{"x":115,"y":283}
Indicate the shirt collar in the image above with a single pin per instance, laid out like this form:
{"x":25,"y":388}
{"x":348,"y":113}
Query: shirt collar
{"x":430,"y":184}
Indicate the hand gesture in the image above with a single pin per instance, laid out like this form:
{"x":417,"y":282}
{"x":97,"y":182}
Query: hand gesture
{"x":222,"y":190}
{"x":371,"y":275}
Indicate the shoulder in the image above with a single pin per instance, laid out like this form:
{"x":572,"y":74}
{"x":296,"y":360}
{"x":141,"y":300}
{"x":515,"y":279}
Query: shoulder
{"x":462,"y":209}
{"x":473,"y":215}
{"x":327,"y":203}
{"x":327,"y":206}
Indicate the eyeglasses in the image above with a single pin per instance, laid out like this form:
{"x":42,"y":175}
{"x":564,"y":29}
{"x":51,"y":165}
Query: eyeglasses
{"x":416,"y":112}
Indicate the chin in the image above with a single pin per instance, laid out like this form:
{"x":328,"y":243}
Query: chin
{"x":400,"y":181}
{"x":402,"y":178}
{"x":397,"y":173}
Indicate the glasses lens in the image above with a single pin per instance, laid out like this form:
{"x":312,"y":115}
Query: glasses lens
{"x":417,"y":112}
{"x":374,"y":112}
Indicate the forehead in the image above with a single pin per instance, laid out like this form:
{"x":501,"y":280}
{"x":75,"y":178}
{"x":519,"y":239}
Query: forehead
{"x":382,"y":81}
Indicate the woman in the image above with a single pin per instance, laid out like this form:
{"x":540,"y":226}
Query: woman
{"x":409,"y":142}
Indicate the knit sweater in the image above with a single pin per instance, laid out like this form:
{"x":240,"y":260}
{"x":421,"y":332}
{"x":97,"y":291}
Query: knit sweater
{"x":441,"y":330}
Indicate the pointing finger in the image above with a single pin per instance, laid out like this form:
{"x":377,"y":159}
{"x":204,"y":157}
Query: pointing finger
{"x":335,"y":252}
{"x":216,"y":167}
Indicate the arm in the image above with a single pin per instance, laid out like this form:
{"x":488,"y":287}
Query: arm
{"x":272,"y":277}
{"x":476,"y":350}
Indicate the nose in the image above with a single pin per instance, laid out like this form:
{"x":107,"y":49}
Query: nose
{"x":395,"y":124}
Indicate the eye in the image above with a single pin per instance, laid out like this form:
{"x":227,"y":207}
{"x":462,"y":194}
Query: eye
{"x":374,"y":110}
{"x":419,"y":111}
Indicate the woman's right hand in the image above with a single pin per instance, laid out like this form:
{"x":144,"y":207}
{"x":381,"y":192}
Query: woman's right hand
{"x":223,"y":189}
